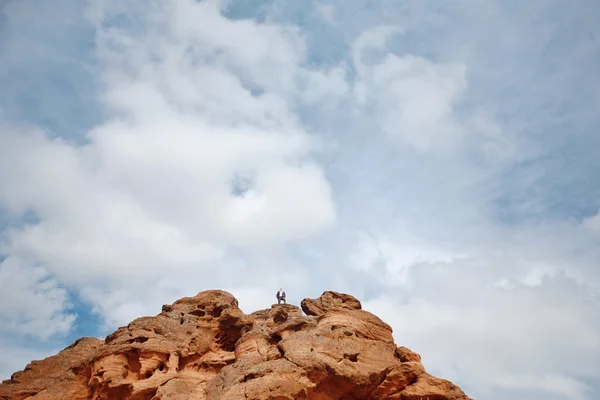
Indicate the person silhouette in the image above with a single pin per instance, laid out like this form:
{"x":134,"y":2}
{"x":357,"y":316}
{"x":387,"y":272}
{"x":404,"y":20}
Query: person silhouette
{"x":281,"y":296}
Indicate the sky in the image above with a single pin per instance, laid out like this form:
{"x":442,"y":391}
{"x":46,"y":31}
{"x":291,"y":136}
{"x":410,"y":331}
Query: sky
{"x":438,"y":160}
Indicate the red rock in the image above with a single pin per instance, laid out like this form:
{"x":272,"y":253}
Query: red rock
{"x":205,"y":347}
{"x":406,"y":355}
{"x":64,"y":373}
{"x":330,"y":301}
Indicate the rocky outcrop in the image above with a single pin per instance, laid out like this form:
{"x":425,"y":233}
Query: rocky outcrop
{"x":205,"y":347}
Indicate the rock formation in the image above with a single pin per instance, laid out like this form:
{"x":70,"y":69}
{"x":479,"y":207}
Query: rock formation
{"x":205,"y":347}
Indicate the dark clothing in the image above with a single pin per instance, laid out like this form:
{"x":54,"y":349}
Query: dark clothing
{"x":281,"y":297}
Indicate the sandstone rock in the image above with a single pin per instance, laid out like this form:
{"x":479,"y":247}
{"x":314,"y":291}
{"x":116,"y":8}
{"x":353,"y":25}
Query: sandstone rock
{"x":65,"y":373}
{"x":330,"y":301}
{"x":204,"y":347}
{"x":406,"y":355}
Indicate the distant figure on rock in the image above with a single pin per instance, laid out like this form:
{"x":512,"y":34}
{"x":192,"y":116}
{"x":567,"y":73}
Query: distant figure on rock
{"x":281,"y":296}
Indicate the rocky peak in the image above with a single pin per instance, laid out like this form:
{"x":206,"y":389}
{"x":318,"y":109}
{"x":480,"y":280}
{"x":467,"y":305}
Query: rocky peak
{"x":205,"y":347}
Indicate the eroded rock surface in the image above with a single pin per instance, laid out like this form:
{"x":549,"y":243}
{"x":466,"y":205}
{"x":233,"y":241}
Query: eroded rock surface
{"x":205,"y":347}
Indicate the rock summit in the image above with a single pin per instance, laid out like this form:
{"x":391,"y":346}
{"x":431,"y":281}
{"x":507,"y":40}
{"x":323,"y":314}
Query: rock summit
{"x":205,"y":347}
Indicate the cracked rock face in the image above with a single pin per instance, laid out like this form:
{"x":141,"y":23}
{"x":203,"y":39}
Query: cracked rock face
{"x":205,"y":347}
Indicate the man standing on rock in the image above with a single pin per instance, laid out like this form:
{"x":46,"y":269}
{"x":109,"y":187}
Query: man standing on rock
{"x":281,"y":296}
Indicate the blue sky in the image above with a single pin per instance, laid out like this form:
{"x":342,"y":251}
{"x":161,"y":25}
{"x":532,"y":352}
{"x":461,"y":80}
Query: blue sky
{"x":438,"y":160}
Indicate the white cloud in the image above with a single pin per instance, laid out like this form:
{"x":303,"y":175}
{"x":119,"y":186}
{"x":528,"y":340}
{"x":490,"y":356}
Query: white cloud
{"x":154,"y":186}
{"x":552,"y":384}
{"x":592,"y":223}
{"x":232,"y":156}
{"x":31,"y":302}
{"x":327,"y":12}
{"x":413,"y":98}
{"x":487,"y":336}
{"x":391,"y":262}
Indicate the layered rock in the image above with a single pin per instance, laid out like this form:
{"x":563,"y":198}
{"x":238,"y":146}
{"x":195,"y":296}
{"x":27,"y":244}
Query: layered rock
{"x":205,"y":347}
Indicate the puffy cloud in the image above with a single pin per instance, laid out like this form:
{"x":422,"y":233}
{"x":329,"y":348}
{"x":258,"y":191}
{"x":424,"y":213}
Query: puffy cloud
{"x":413,"y":98}
{"x":31,"y":301}
{"x":391,"y":155}
{"x":191,"y":166}
{"x":516,"y":333}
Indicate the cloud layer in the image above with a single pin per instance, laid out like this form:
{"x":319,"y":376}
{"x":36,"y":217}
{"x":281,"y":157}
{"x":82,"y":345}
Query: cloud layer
{"x":447,"y":177}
